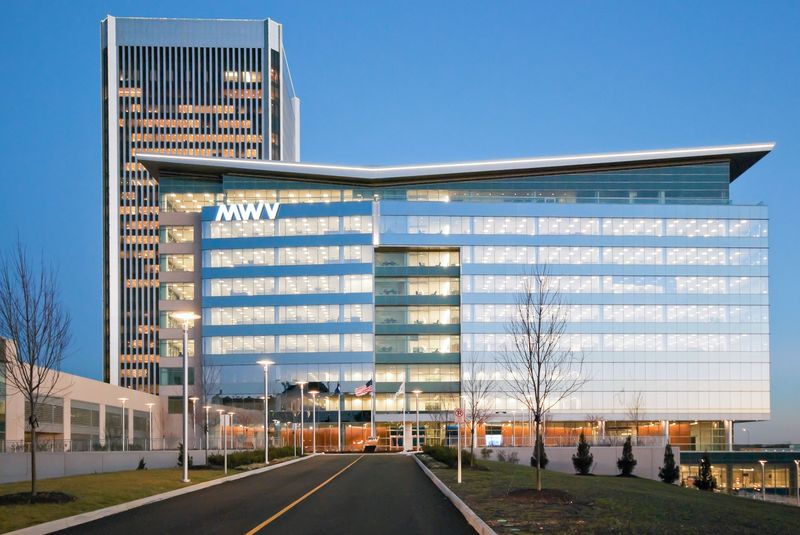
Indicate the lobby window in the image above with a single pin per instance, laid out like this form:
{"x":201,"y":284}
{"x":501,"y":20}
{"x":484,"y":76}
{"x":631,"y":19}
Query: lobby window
{"x":175,"y":405}
{"x":183,"y":234}
{"x":174,"y":376}
{"x":177,"y":291}
{"x":176,"y":262}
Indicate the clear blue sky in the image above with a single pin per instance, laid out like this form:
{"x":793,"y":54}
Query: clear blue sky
{"x":406,"y":82}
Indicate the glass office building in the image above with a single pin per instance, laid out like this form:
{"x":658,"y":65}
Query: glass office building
{"x":211,"y":88}
{"x":341,"y":275}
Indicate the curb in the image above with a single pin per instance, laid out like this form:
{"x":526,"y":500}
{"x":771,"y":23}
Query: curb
{"x":89,"y":516}
{"x":473,"y":519}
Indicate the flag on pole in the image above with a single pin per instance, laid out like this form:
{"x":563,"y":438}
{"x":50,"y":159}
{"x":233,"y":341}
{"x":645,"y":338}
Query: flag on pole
{"x":402,"y":390}
{"x":364,"y":390}
{"x":338,"y":391}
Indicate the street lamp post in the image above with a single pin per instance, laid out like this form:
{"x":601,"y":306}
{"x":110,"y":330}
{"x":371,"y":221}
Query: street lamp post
{"x":302,"y":384}
{"x":123,"y":400}
{"x":763,"y":479}
{"x":150,"y":425}
{"x":186,"y":318}
{"x":266,"y":364}
{"x":194,"y":400}
{"x":416,"y":393}
{"x":221,"y":427}
{"x":314,"y":425}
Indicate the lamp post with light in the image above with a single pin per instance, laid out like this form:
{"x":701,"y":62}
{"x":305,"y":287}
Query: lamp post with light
{"x":266,"y":364}
{"x":314,"y":425}
{"x":763,"y":479}
{"x":233,"y":430}
{"x":186,"y":318}
{"x":416,"y":393}
{"x":123,"y":400}
{"x":302,"y":384}
{"x":150,"y":425}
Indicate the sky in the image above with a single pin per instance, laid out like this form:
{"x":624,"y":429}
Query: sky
{"x":413,"y":82}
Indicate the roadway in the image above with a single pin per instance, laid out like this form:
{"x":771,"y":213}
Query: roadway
{"x":330,"y":494}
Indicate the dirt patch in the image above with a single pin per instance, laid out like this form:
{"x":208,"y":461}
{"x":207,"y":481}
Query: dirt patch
{"x":548,"y":496}
{"x":41,"y":497}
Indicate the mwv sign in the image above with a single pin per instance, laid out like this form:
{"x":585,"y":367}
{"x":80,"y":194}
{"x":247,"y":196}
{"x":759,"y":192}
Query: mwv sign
{"x":243,"y":212}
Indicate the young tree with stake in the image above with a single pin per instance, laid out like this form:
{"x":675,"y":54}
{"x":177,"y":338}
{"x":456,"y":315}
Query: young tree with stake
{"x":541,"y":370}
{"x":37,"y":328}
{"x":475,"y":387}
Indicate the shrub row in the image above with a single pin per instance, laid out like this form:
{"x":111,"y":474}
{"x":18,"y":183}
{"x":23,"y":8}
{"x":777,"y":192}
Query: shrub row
{"x":448,"y":456}
{"x":241,"y":458}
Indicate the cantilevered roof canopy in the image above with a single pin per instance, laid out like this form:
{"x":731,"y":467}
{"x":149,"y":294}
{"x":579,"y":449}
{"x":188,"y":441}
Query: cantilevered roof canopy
{"x":740,"y":157}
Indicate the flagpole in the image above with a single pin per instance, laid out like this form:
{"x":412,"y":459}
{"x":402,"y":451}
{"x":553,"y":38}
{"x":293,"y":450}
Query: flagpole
{"x":372,"y":415}
{"x":339,"y":433}
{"x":403,"y":401}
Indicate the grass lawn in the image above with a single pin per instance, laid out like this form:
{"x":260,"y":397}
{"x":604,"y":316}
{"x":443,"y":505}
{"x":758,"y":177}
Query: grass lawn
{"x":93,"y":491}
{"x":607,"y":504}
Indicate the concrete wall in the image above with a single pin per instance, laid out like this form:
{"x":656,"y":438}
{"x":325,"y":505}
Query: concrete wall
{"x":16,"y":466}
{"x":649,"y":459}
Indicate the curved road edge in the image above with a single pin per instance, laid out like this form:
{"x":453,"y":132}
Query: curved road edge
{"x":90,"y":516}
{"x":472,"y":518}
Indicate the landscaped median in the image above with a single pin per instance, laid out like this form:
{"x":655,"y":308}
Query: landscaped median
{"x":98,"y":491}
{"x":504,"y":496}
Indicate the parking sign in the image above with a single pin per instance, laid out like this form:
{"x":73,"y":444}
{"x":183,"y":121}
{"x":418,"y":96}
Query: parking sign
{"x":459,"y":415}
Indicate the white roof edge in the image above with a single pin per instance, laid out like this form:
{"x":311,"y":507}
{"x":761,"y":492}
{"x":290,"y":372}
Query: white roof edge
{"x":394,"y":171}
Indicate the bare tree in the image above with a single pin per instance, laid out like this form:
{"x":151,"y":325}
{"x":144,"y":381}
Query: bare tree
{"x":541,"y":369}
{"x":37,"y":327}
{"x":476,"y":388}
{"x":635,"y":411}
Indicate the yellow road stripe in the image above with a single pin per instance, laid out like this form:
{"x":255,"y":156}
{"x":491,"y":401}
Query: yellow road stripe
{"x":300,"y":499}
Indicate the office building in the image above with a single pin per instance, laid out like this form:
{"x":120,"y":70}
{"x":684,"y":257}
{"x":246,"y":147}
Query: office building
{"x":408,"y":274}
{"x":206,"y":88}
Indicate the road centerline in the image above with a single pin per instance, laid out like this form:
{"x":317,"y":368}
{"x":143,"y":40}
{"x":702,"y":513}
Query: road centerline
{"x":280,"y":513}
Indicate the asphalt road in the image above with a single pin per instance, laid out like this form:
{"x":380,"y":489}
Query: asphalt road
{"x":330,"y":494}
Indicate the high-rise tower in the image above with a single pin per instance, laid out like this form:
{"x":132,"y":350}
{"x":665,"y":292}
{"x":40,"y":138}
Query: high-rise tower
{"x":208,"y":88}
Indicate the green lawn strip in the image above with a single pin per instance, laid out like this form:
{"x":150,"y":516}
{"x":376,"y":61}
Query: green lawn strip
{"x":611,"y":504}
{"x":93,"y":491}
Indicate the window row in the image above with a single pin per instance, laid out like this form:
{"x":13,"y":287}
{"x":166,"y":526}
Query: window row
{"x":287,"y":314}
{"x":417,"y":315}
{"x":417,"y":373}
{"x":567,"y":226}
{"x":289,"y":343}
{"x":290,"y":226}
{"x":708,"y":256}
{"x":417,"y":259}
{"x":629,"y":342}
{"x":287,"y":256}
{"x":599,"y":372}
{"x":629,"y":313}
{"x":619,"y":284}
{"x":422,"y":343}
{"x":416,"y":286}
{"x":288,"y":285}
{"x":180,"y":234}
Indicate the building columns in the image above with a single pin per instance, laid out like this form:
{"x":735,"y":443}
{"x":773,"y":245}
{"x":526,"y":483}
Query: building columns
{"x":66,"y":425}
{"x":729,"y":435}
{"x":101,"y":428}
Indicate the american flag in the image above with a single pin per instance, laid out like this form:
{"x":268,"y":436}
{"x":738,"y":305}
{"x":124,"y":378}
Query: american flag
{"x":364,"y":390}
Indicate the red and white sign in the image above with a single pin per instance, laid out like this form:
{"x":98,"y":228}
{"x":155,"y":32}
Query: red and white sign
{"x":459,"y":415}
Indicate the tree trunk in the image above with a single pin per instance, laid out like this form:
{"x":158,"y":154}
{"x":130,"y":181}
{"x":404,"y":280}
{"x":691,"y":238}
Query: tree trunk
{"x":537,"y":445}
{"x":33,"y":463}
{"x":472,"y":447}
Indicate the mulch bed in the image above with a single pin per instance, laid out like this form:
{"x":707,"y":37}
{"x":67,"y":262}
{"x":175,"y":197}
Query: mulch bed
{"x":19,"y":498}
